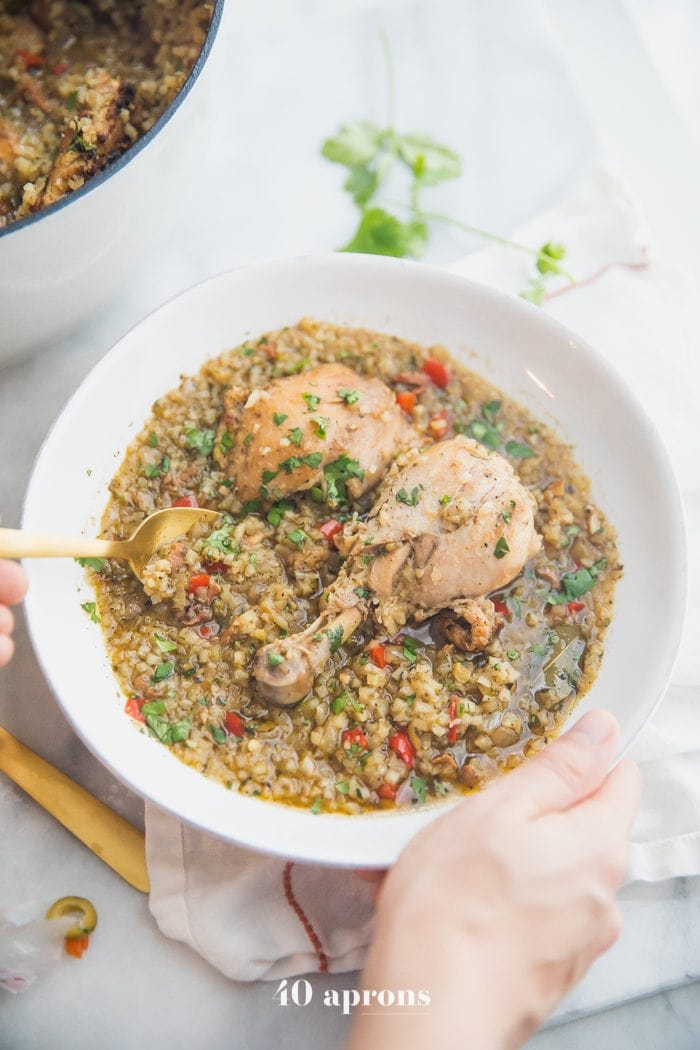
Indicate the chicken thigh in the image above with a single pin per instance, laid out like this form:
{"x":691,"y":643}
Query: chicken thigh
{"x":328,"y":427}
{"x":448,"y":528}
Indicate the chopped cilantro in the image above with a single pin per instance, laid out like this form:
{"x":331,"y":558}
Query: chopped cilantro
{"x":312,"y":401}
{"x":220,"y":540}
{"x":164,"y":644}
{"x":313,"y":459}
{"x":91,"y":609}
{"x":335,"y":637}
{"x":153,"y":439}
{"x":277,"y":512}
{"x":519,"y":450}
{"x":226,"y":442}
{"x":96,"y":564}
{"x":336,"y":475}
{"x":444,"y":500}
{"x":317,"y":806}
{"x":350,"y":397}
{"x":489,"y":409}
{"x":297,"y":536}
{"x":155,"y":470}
{"x":279,"y":418}
{"x":576,"y":584}
{"x":296,"y":436}
{"x":361,"y":592}
{"x":253,"y":506}
{"x":321,"y":425}
{"x":501,"y":548}
{"x":420,"y":788}
{"x":269,"y":475}
{"x":163,"y":670}
{"x":201,"y":441}
{"x":507,"y":516}
{"x":343,"y":787}
{"x":274,"y":659}
{"x":411,"y":501}
{"x":218,"y":733}
{"x":410,"y":648}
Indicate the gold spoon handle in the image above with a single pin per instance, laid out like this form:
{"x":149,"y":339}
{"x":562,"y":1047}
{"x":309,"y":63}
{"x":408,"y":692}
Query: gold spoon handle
{"x":14,"y":543}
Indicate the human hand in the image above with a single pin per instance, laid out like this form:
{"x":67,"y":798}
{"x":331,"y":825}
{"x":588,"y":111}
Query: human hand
{"x":13,"y":587}
{"x":500,"y":906}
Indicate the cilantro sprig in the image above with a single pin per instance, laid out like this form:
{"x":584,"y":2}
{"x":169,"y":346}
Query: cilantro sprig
{"x":371,"y":152}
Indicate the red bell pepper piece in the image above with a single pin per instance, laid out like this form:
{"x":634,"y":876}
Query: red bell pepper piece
{"x":234,"y":724}
{"x":500,"y":607}
{"x":354,"y":736}
{"x":386,"y":791}
{"x":406,"y":400}
{"x":330,"y":528}
{"x":437,"y":372}
{"x":399,"y":742}
{"x":190,"y":500}
{"x":377,"y":653}
{"x":452,"y":734}
{"x":574,"y":607}
{"x":199,"y":579}
{"x":133,"y":709}
{"x":77,"y":945}
{"x":60,"y":67}
{"x":30,"y":60}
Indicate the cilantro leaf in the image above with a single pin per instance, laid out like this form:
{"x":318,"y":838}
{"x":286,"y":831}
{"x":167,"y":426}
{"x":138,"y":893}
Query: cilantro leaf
{"x":411,"y":501}
{"x":96,"y":564}
{"x":519,"y":450}
{"x":277,"y":511}
{"x":279,"y":418}
{"x":380,"y":233}
{"x":420,"y":788}
{"x":335,"y":637}
{"x":296,"y":436}
{"x":91,"y":609}
{"x":362,"y":183}
{"x":201,"y":441}
{"x":501,"y":548}
{"x":354,"y":145}
{"x":548,"y":256}
{"x":337,"y":473}
{"x":430,"y":161}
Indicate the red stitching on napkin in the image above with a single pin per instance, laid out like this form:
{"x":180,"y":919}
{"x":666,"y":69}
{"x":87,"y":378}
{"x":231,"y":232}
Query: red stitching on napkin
{"x":303,"y":918}
{"x":641,"y":265}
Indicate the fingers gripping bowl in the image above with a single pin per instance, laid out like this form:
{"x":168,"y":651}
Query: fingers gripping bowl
{"x":530,"y":358}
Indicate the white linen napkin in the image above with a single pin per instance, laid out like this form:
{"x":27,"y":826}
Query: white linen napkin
{"x":255,"y":917}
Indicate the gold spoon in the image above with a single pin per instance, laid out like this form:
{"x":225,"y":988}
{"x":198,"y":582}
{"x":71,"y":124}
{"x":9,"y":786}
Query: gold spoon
{"x":158,"y":529}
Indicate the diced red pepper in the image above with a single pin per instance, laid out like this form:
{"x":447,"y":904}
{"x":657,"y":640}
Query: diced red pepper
{"x":208,"y":630}
{"x":190,"y":500}
{"x":133,"y":709}
{"x":216,"y":567}
{"x":452,"y":734}
{"x":406,"y":400}
{"x":199,"y":579}
{"x":377,"y":653}
{"x":386,"y":791}
{"x":354,"y":736}
{"x":77,"y":945}
{"x":234,"y":723}
{"x":437,"y":372}
{"x":330,"y":528}
{"x":575,"y":607}
{"x":30,"y":60}
{"x":439,"y":425}
{"x":399,"y":742}
{"x":500,"y":607}
{"x":60,"y":67}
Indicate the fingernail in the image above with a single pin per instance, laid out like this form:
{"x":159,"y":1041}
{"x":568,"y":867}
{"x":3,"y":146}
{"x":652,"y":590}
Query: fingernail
{"x":597,"y":727}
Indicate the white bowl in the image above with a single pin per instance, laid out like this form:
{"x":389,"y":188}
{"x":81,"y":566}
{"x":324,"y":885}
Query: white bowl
{"x":525,"y":353}
{"x":61,"y":265}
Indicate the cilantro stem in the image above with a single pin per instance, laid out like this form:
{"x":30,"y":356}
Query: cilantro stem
{"x":390,"y":78}
{"x":433,"y":216}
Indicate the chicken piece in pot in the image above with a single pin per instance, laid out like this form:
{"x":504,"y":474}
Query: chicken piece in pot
{"x":328,"y":427}
{"x":449,"y":528}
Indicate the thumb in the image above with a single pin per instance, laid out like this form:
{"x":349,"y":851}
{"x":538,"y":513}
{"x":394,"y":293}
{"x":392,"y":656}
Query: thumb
{"x":568,"y":770}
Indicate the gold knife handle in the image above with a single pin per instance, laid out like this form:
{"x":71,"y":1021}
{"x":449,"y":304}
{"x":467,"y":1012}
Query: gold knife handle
{"x":115,"y":841}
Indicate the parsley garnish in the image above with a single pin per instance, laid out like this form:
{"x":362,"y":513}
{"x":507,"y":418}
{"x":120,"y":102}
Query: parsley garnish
{"x":226,"y":442}
{"x":420,"y":788}
{"x":321,"y":425}
{"x":519,"y":450}
{"x":335,"y":637}
{"x":296,"y":436}
{"x":277,"y":512}
{"x":501,"y":548}
{"x":350,"y":397}
{"x":317,"y":806}
{"x":411,"y":501}
{"x":507,"y":516}
{"x":336,"y":475}
{"x":274,"y":659}
{"x":201,"y":441}
{"x":444,"y":500}
{"x":164,"y":644}
{"x":155,"y":470}
{"x":91,"y":609}
{"x":298,"y":537}
{"x":576,"y":584}
{"x":153,"y":439}
{"x":313,"y":459}
{"x":220,"y":540}
{"x":163,"y":670}
{"x":312,"y":401}
{"x":96,"y":564}
{"x":279,"y":418}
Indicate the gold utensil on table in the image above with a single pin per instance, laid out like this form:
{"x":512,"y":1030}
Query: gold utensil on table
{"x":158,"y":529}
{"x":110,"y":837}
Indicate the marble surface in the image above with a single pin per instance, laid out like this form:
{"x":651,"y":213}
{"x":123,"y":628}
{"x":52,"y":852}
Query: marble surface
{"x":278,"y":198}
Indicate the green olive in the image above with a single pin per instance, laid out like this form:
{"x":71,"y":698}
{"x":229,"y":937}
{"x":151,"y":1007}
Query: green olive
{"x":75,"y":906}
